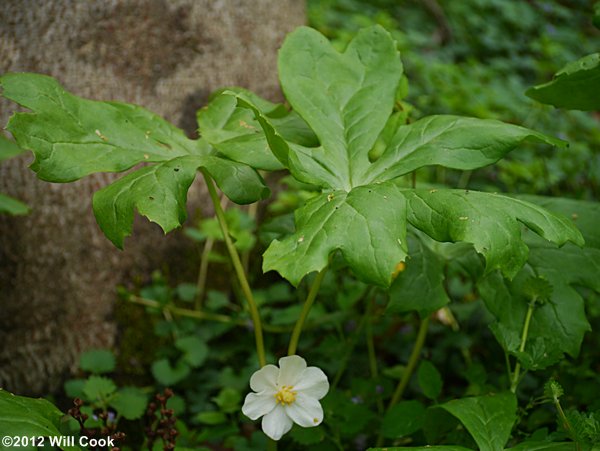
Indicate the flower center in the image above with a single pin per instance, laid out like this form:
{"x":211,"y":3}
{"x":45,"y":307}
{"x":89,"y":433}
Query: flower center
{"x":285,"y":395}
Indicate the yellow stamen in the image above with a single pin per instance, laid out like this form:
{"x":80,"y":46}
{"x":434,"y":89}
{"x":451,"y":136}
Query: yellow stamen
{"x":285,"y":395}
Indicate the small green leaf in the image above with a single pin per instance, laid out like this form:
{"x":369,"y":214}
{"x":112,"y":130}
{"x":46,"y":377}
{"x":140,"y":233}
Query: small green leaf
{"x":575,"y":87}
{"x":186,"y":292}
{"x":74,"y":388}
{"x":98,"y":388}
{"x":228,"y":400}
{"x":130,"y":402}
{"x":11,"y":206}
{"x":166,"y":374}
{"x":489,"y":419}
{"x":97,"y":361}
{"x":211,"y":418}
{"x":430,"y":380}
{"x":8,"y":148}
{"x":194,"y":350}
{"x":403,"y":419}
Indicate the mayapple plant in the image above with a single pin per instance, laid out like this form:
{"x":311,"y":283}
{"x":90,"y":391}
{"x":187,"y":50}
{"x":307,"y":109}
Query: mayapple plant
{"x":343,"y":136}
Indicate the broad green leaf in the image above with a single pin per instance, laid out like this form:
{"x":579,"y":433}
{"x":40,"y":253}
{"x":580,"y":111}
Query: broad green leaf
{"x":405,"y":418}
{"x":98,"y":388}
{"x":575,"y":87}
{"x":11,"y":206}
{"x":166,"y":374}
{"x":73,"y":137}
{"x":29,"y":417}
{"x":97,"y":361}
{"x":235,"y":132}
{"x":430,"y":380}
{"x":345,"y":98}
{"x":419,"y":286}
{"x":450,"y":141}
{"x":8,"y":148}
{"x":367,"y":225}
{"x":130,"y":402}
{"x":491,"y":222}
{"x":489,"y":419}
{"x":559,"y":324}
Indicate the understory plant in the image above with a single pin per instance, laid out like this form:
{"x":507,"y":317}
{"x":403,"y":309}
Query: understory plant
{"x":382,"y":245}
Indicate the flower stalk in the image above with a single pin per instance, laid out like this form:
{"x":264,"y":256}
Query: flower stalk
{"x":310,"y":299}
{"x":239,"y":269}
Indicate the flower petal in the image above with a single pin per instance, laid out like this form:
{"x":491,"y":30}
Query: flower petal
{"x":265,"y":379}
{"x":257,"y":405}
{"x":313,"y":382}
{"x":276,"y":423}
{"x":305,"y":411}
{"x":290,"y":369}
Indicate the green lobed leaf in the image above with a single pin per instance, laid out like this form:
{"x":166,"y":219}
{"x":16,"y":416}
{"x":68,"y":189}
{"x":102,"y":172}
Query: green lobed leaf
{"x":347,"y":100}
{"x":97,"y":361}
{"x":97,"y":388}
{"x":367,"y":225}
{"x":420,"y":286}
{"x":28,"y":417}
{"x":73,"y":137}
{"x":575,"y":87}
{"x":130,"y":402}
{"x":167,"y":374}
{"x":489,"y":419}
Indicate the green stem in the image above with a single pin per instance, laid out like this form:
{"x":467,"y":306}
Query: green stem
{"x":239,"y":269}
{"x":371,"y":349}
{"x":515,"y":379}
{"x":312,"y":294}
{"x":203,"y":273}
{"x":565,"y":422}
{"x":412,"y":363}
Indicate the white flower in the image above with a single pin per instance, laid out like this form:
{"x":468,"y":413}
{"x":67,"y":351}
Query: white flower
{"x":286,"y":395}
